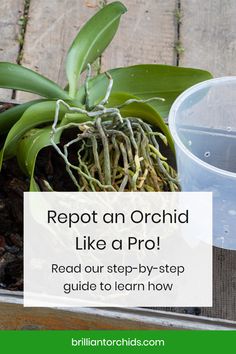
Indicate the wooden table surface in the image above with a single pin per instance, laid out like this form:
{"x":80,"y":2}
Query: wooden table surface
{"x":190,"y":33}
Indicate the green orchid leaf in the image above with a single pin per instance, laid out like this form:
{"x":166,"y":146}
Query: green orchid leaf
{"x":9,"y":117}
{"x":91,"y":41}
{"x":34,"y":187}
{"x":13,"y":76}
{"x":35,"y":115}
{"x":141,"y":110}
{"x":33,"y":142}
{"x":146,"y":81}
{"x":28,"y":148}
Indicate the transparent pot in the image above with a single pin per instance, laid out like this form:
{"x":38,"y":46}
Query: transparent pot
{"x":203,"y":124}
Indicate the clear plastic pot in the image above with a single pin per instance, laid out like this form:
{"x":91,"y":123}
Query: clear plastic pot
{"x":203,"y":124}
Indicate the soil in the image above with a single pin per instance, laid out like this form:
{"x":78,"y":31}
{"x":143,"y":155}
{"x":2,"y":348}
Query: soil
{"x":12,"y":186}
{"x":11,"y":226}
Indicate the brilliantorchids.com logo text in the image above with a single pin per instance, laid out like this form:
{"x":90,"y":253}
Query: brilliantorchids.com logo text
{"x":122,"y":342}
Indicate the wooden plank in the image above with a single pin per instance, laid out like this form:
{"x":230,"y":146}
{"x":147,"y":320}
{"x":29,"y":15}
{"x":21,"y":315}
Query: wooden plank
{"x":11,"y":11}
{"x":224,"y":288}
{"x":14,"y":316}
{"x":147,"y":34}
{"x":208,"y":35}
{"x":224,"y":285}
{"x":51,"y":28}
